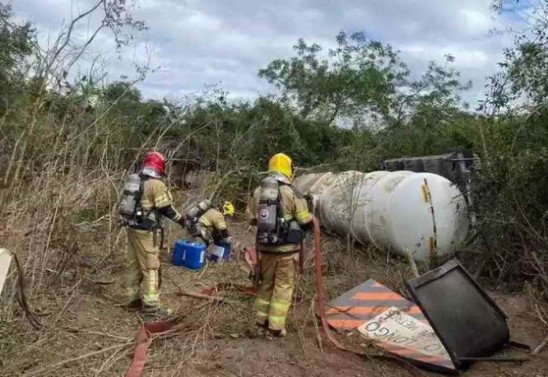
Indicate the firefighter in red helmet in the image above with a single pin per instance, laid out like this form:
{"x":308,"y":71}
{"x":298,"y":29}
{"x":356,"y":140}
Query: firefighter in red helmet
{"x":149,"y":201}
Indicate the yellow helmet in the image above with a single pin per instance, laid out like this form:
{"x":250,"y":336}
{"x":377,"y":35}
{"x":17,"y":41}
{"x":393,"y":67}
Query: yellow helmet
{"x":281,"y":163}
{"x":228,"y":209}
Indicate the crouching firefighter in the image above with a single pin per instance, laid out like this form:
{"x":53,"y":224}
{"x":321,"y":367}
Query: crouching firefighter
{"x":281,"y":215}
{"x":207,"y":223}
{"x":145,"y":200}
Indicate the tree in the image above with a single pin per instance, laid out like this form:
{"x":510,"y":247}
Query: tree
{"x":357,"y":78}
{"x":15,"y":45}
{"x":432,"y":99}
{"x":524,"y":72}
{"x":121,"y":90}
{"x":361,"y":80}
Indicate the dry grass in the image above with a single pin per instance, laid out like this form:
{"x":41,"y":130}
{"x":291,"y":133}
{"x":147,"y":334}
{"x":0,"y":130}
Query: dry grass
{"x":87,"y":334}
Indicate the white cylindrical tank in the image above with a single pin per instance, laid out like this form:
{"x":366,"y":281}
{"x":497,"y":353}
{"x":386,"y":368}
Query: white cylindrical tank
{"x":422,"y":213}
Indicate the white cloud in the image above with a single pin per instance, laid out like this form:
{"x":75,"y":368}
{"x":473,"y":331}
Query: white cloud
{"x":200,"y":42}
{"x":474,"y":22}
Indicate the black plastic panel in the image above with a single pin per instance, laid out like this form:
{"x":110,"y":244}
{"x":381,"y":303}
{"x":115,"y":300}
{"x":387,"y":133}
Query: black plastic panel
{"x":466,"y":319}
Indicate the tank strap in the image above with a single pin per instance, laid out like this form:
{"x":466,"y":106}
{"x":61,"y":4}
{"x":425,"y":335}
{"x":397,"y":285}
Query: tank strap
{"x":139,"y":196}
{"x":280,"y":201}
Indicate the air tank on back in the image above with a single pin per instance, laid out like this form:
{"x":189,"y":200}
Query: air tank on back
{"x":402,"y":211}
{"x":128,"y":201}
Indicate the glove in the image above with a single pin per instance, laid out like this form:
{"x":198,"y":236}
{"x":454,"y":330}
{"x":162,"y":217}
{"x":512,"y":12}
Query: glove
{"x":307,"y":227}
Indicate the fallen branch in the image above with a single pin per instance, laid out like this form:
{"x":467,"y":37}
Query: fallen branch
{"x":316,"y":326}
{"x":244,"y":289}
{"x":204,"y":296}
{"x":111,"y":360}
{"x":540,"y":346}
{"x":200,"y":296}
{"x":52,"y":367}
{"x":72,"y":329}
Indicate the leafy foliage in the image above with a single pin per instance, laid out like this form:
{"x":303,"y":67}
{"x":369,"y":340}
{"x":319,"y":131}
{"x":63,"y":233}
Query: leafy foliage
{"x":524,"y":71}
{"x":16,"y":43}
{"x":358,"y":77}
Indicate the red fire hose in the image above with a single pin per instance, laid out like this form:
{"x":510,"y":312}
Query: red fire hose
{"x":144,"y":338}
{"x":320,"y":303}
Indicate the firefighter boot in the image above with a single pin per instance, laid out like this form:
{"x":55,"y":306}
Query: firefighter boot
{"x":275,"y":334}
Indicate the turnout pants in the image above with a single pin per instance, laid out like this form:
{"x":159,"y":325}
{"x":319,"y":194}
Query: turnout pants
{"x":143,"y":267}
{"x":278,"y":271}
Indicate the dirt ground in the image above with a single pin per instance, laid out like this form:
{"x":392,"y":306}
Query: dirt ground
{"x":88,"y":332}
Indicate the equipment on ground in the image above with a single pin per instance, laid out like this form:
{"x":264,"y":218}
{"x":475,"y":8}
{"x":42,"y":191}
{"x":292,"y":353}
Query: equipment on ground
{"x":189,"y":254}
{"x":451,"y":323}
{"x":130,"y":201}
{"x":467,"y":321}
{"x":393,"y":323}
{"x":220,"y":251}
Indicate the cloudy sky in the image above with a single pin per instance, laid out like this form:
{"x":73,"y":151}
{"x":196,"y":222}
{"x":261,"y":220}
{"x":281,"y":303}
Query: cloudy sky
{"x":227,"y":42}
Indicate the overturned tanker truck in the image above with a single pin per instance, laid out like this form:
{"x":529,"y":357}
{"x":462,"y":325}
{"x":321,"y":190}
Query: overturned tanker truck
{"x":420,"y":213}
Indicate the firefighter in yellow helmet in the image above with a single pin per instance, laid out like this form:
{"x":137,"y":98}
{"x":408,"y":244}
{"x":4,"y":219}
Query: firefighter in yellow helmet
{"x":144,"y":202}
{"x":207,"y":224}
{"x":281,"y":215}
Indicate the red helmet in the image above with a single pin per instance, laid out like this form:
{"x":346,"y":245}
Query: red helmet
{"x":156,"y":162}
